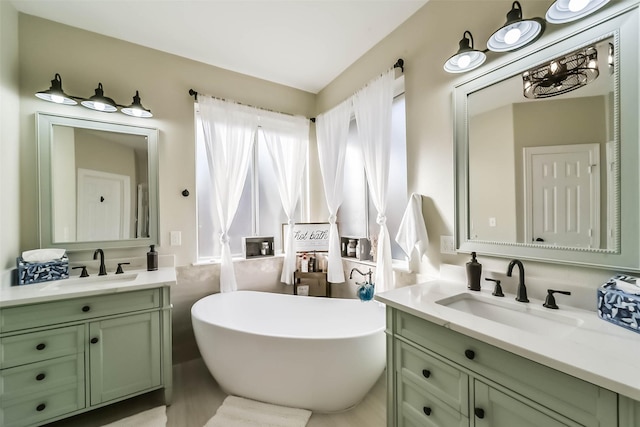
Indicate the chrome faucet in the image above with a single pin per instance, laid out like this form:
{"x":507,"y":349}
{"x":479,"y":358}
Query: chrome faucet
{"x":103,"y":269}
{"x":521,"y":294}
{"x":369,"y":273}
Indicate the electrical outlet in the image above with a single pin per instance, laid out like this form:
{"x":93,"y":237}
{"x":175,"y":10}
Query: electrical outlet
{"x":176,"y":238}
{"x":446,"y":245}
{"x":492,"y":222}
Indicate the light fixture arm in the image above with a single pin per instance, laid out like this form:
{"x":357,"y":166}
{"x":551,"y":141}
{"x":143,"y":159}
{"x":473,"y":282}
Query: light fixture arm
{"x":515,"y":14}
{"x":468,"y":42}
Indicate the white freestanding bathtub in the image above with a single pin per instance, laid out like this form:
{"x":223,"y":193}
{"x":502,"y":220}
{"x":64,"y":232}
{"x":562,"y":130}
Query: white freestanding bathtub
{"x":315,"y":353}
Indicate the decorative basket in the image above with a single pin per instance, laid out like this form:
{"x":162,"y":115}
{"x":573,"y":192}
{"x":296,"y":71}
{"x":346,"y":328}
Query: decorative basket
{"x":617,"y":306}
{"x":36,"y":272}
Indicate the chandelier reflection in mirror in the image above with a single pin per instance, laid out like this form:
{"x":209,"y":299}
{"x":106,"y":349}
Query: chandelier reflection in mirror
{"x":562,"y":75}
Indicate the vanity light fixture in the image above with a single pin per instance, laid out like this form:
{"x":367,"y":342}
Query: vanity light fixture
{"x":97,"y":102}
{"x":563,"y":11}
{"x":467,"y":58}
{"x":136,"y":109}
{"x":516,"y":33}
{"x":55,"y":93}
{"x":562,"y":75}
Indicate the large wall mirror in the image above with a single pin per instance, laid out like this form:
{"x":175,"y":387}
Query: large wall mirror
{"x":98,"y":183}
{"x":547,"y":152}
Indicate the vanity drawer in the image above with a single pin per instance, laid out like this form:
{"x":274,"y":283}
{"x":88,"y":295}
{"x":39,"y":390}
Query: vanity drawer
{"x":575,"y":398}
{"x":41,"y":376}
{"x":35,"y":315}
{"x":425,"y":410}
{"x":37,"y":346}
{"x":434,"y":376}
{"x":37,"y":408}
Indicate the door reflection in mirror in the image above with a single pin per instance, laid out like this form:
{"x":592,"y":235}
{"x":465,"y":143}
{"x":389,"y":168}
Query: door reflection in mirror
{"x":99,"y":184}
{"x":574,"y":206}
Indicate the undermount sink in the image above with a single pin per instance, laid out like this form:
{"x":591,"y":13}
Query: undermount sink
{"x":523,"y":316}
{"x":91,"y":280}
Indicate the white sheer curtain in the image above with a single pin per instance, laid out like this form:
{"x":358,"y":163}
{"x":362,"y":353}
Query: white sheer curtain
{"x":287,"y":139}
{"x":372,"y":106}
{"x":229,"y":132}
{"x":332,"y":130}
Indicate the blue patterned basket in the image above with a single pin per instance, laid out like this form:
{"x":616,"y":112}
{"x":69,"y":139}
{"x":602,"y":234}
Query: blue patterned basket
{"x":37,"y":272}
{"x":619,"y":307}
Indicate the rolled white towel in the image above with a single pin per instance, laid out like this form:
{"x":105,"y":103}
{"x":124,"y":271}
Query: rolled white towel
{"x":43,"y":255}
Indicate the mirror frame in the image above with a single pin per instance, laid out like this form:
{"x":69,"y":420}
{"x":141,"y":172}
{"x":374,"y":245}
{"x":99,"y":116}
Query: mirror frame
{"x":44,"y":133}
{"x":623,"y":27}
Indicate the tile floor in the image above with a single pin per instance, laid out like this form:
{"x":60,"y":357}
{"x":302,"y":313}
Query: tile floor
{"x":197,"y":396}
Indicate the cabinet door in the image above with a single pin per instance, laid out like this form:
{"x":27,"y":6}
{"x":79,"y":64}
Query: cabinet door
{"x":124,"y":356}
{"x":493,"y":408}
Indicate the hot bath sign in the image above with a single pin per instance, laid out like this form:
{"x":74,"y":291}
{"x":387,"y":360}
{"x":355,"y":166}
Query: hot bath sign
{"x":309,"y":237}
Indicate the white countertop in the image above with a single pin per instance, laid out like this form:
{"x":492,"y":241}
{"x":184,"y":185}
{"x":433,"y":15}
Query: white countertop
{"x":85,"y":286}
{"x":597,"y":351}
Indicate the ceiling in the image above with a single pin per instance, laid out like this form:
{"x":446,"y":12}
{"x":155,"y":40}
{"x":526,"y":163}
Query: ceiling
{"x":304,"y":44}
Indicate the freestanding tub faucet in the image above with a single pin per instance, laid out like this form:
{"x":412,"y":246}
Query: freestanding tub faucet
{"x":103,"y":269}
{"x":521,"y":294}
{"x":366,"y":275}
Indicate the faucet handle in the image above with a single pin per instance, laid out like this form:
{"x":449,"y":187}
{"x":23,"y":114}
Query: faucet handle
{"x":497,"y":291}
{"x":119,"y":269}
{"x":83,"y":273}
{"x":550,"y":300}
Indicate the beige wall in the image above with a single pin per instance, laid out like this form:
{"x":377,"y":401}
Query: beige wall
{"x":9,"y":137}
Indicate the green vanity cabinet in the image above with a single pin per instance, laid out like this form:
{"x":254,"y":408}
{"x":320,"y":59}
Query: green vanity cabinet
{"x":441,"y":378}
{"x":124,"y":356}
{"x":64,"y":357}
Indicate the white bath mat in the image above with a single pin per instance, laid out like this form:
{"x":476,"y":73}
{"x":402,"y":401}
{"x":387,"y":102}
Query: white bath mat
{"x":240,"y":412}
{"x":156,"y":417}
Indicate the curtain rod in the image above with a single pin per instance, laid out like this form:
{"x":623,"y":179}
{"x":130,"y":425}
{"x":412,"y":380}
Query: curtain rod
{"x":399,"y":64}
{"x":195,"y":95}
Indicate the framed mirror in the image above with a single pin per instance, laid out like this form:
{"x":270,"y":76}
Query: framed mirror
{"x":547,"y":152}
{"x":98,"y":183}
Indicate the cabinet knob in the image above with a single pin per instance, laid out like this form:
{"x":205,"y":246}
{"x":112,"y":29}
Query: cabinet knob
{"x":40,"y":377}
{"x":94,"y":340}
{"x":41,"y":346}
{"x":426,"y":410}
{"x":86,"y":308}
{"x":470,"y":354}
{"x":479,"y":412}
{"x":426,"y":373}
{"x":41,"y":407}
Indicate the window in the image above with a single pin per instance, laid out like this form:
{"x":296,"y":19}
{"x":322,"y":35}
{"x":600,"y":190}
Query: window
{"x":259,"y":212}
{"x":357,"y":214}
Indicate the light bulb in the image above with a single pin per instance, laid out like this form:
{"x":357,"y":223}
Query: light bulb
{"x":554,"y":67}
{"x":577,"y":5}
{"x":464,"y":61}
{"x":512,"y":36}
{"x":137,"y":112}
{"x":99,"y":106}
{"x":57,"y":99}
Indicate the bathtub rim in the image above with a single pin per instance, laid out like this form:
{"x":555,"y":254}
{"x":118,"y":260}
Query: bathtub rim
{"x":370,"y":332}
